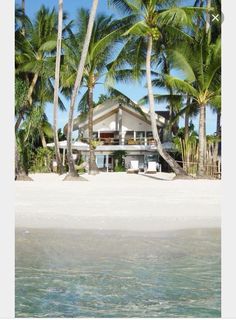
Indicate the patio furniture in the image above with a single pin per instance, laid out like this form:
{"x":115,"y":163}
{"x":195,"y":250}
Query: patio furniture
{"x":134,"y":167}
{"x":152,"y":167}
{"x":131,"y":141}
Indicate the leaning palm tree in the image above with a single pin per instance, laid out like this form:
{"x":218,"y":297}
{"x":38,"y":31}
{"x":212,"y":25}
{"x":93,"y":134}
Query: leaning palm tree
{"x":106,"y":32}
{"x":152,"y":17}
{"x":72,"y":172}
{"x":203,"y":84}
{"x":56,"y":84}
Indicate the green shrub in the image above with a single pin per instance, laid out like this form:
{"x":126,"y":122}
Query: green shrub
{"x":119,"y":160}
{"x":119,"y":168}
{"x":42,"y":161}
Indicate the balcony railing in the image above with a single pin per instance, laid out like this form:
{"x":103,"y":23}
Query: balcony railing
{"x":124,"y":141}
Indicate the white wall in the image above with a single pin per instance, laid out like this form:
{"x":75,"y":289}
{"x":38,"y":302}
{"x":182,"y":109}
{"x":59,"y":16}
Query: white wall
{"x":108,"y":124}
{"x":129,"y":123}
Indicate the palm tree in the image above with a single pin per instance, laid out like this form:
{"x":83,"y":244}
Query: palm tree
{"x":204,"y":87}
{"x":152,"y":17}
{"x":72,"y":172}
{"x":33,"y":61}
{"x":56,"y":84}
{"x":28,"y":138}
{"x":106,"y":32}
{"x":21,"y":90}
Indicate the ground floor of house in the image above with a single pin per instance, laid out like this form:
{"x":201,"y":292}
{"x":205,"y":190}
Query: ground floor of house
{"x":107,"y":161}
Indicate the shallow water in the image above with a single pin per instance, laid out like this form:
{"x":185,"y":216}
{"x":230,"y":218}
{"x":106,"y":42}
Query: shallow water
{"x":117,"y":274}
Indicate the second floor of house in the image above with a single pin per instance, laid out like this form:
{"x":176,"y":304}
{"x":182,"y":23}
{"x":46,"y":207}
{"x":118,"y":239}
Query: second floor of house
{"x":120,"y":124}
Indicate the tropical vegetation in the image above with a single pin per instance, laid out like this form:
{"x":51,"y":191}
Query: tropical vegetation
{"x":172,"y":48}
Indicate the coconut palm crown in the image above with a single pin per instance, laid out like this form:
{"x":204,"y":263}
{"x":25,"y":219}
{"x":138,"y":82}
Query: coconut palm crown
{"x":152,"y":18}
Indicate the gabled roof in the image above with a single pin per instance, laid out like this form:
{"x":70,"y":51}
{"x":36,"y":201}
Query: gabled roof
{"x":112,"y":106}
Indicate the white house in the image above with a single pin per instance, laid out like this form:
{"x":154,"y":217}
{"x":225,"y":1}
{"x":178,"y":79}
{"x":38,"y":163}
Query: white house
{"x":119,"y":126}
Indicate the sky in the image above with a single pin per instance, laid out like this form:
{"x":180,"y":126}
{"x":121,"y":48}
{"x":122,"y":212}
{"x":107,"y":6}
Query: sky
{"x":134,"y":91}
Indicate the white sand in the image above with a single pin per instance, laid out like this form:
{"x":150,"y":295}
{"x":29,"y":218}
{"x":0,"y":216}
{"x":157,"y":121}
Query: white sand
{"x":118,"y":201}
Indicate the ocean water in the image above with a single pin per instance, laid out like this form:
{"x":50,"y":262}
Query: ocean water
{"x":78,"y":273}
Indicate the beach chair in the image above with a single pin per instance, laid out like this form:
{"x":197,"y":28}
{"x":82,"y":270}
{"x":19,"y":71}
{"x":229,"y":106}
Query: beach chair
{"x":152,"y":167}
{"x":134,"y":167}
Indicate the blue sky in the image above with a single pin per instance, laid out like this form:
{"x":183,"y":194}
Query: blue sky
{"x":135,"y":91}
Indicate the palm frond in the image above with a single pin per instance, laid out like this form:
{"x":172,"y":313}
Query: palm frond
{"x":180,"y":85}
{"x":83,"y":103}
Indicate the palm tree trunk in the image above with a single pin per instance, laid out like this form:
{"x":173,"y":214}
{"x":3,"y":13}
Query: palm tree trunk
{"x":172,"y":163}
{"x":18,"y":121}
{"x":208,"y":20}
{"x":19,"y":171}
{"x":56,"y":86}
{"x":217,"y":144}
{"x":43,"y":140}
{"x":79,"y":76}
{"x":202,"y":141}
{"x":93,"y":169}
{"x":29,"y":99}
{"x":23,"y":6}
{"x":218,"y":119}
{"x":186,"y":125}
{"x":23,"y":11}
{"x":31,"y":88}
{"x":174,"y":127}
{"x":205,"y":140}
{"x":186,"y":136}
{"x":16,"y":160}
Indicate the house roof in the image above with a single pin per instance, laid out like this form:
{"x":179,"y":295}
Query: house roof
{"x":165,"y":114}
{"x":112,"y":106}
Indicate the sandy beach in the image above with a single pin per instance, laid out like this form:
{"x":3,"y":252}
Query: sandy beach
{"x":117,"y":201}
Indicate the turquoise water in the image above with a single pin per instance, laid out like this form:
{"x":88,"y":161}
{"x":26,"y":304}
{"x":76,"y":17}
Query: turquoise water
{"x":117,"y":274}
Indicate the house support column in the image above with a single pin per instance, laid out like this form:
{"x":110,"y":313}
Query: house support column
{"x":63,"y":157}
{"x":120,"y":126}
{"x":145,"y":138}
{"x":107,"y":161}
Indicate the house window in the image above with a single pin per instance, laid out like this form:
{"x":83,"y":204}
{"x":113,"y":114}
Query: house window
{"x":129,"y":134}
{"x":140,"y":134}
{"x":149,"y":134}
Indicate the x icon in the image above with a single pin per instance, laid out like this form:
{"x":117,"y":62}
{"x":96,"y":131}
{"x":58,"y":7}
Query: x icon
{"x":215,"y":17}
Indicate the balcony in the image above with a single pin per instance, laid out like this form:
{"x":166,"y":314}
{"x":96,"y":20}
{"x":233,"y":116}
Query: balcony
{"x":123,"y":141}
{"x":142,"y":138}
